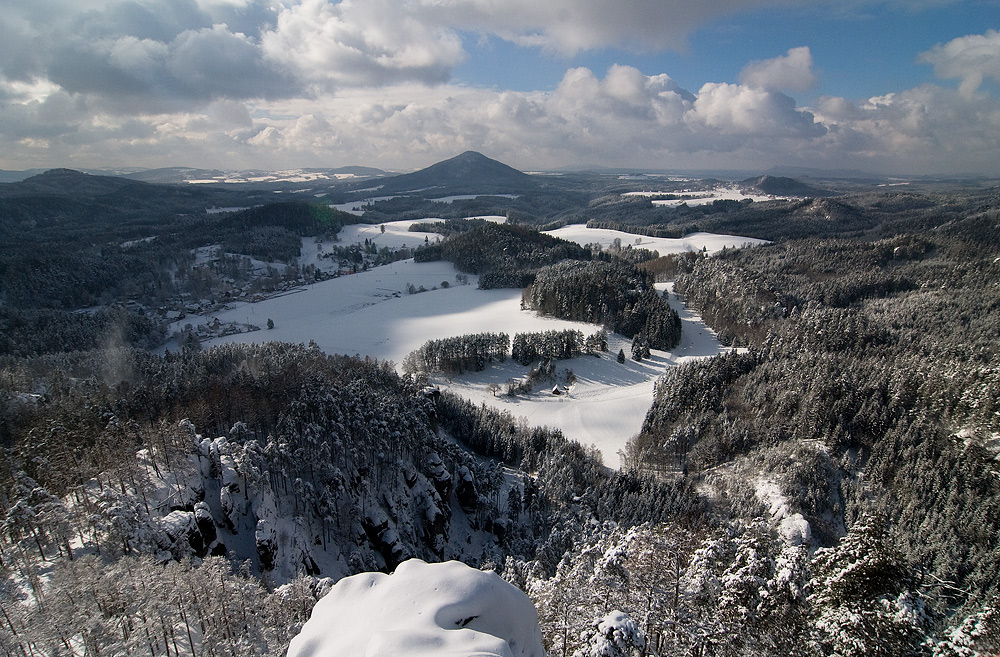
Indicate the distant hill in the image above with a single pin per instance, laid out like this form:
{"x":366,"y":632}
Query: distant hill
{"x":46,"y":205}
{"x":825,"y":174}
{"x":118,"y":191}
{"x":780,"y":186}
{"x":468,"y":173}
{"x":66,"y":182}
{"x":172,"y":175}
{"x":179,"y":175}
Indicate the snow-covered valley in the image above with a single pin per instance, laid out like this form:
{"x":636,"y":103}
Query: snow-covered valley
{"x":371,"y":313}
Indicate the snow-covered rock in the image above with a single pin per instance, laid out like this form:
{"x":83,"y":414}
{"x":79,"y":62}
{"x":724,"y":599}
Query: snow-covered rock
{"x":793,"y":527}
{"x":184,"y":533}
{"x":421,"y":610}
{"x":795,"y":530}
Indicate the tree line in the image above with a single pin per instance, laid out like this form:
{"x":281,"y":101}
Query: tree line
{"x":528,"y":348}
{"x":460,"y":354}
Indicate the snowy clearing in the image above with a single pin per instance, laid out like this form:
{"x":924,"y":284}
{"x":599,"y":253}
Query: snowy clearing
{"x":704,"y":197}
{"x":710,"y":242}
{"x":469,"y":197}
{"x":356,"y":207}
{"x":371,"y":314}
{"x":607,"y":404}
{"x":397,"y":234}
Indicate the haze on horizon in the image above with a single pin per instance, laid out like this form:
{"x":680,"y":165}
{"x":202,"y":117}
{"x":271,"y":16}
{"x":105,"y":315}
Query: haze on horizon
{"x":886,"y":86}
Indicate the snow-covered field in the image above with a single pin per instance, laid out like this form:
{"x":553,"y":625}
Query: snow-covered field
{"x":608,"y":401}
{"x":704,"y":197}
{"x":711,"y":242}
{"x":469,"y":197}
{"x":397,"y":234}
{"x":391,"y":234}
{"x":371,"y":313}
{"x":354,"y":207}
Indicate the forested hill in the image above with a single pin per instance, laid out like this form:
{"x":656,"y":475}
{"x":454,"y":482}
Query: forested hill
{"x":504,"y":255}
{"x":115,"y":193}
{"x":614,"y":294}
{"x":73,"y":241}
{"x":866,"y":401}
{"x":68,"y":182}
{"x":781,"y":186}
{"x":468,"y":173}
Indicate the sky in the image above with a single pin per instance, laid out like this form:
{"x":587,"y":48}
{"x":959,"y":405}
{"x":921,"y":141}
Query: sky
{"x":896,"y":87}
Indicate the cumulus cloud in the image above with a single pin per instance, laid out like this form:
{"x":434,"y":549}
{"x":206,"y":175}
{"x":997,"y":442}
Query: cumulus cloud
{"x":123,"y":50}
{"x":928,"y":129}
{"x":791,"y":72}
{"x":971,"y":59}
{"x":196,"y":66}
{"x":622,"y":118}
{"x":361,"y":42}
{"x":150,"y":56}
{"x":730,"y":109}
{"x":315,"y":82}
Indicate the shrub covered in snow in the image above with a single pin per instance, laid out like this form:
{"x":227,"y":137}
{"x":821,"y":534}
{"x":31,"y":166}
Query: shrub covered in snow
{"x":615,"y":635}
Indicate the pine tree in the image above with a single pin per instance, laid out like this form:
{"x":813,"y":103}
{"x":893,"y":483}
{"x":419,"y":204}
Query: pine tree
{"x":862,"y":598}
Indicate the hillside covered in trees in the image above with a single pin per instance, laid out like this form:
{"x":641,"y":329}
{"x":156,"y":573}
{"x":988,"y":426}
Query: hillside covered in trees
{"x":88,"y":261}
{"x":290,"y":464}
{"x":864,"y":400}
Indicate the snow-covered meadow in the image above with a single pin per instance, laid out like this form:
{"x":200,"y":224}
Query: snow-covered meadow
{"x":710,"y":242}
{"x":607,"y":403}
{"x":704,"y":197}
{"x":371,"y":314}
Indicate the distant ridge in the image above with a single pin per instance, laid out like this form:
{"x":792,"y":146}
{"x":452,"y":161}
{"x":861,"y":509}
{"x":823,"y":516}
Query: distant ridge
{"x":825,"y":174}
{"x":468,"y":173}
{"x":60,"y":182}
{"x":54,"y":188}
{"x":178,"y":175}
{"x":781,"y":186}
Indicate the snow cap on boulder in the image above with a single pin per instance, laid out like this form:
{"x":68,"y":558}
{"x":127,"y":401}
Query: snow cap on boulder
{"x":422,"y":609}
